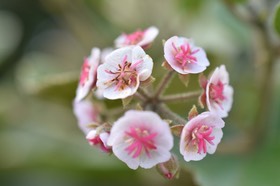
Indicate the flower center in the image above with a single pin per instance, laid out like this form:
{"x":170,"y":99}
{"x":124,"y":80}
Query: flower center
{"x":184,"y":54}
{"x":126,"y":75}
{"x":134,"y":38}
{"x":199,"y":136}
{"x":140,"y":140}
{"x":216,"y":92}
{"x":84,"y":72}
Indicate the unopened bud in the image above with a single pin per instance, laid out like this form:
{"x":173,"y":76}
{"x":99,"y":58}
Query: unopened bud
{"x":169,"y":169}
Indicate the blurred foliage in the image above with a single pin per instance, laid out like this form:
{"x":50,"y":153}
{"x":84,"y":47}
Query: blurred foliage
{"x":276,"y":18}
{"x":42,"y":47}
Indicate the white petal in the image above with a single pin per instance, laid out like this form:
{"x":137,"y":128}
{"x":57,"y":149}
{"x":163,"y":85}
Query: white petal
{"x":193,"y":68}
{"x":217,"y":109}
{"x":213,"y":120}
{"x":218,"y":134}
{"x":104,"y":138}
{"x":201,"y":57}
{"x":105,"y":52}
{"x":150,"y":34}
{"x":160,"y":155}
{"x":119,"y":42}
{"x":227,"y":103}
{"x":193,"y":156}
{"x":81,"y":92}
{"x":119,"y":151}
{"x":220,"y":74}
{"x":91,"y":134}
{"x":85,"y":114}
{"x":112,"y":93}
{"x":144,"y":69}
{"x":169,"y":51}
{"x":117,"y":56}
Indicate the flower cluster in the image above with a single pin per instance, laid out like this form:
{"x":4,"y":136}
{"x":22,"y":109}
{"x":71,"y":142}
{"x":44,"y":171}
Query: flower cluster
{"x":140,"y":132}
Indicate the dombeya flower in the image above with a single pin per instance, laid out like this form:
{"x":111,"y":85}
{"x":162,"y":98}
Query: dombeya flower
{"x":124,"y":68}
{"x":184,"y":57}
{"x":219,"y":94}
{"x":200,"y":136}
{"x":86,"y":114}
{"x":88,"y":74}
{"x":141,"y":138}
{"x":142,"y":38}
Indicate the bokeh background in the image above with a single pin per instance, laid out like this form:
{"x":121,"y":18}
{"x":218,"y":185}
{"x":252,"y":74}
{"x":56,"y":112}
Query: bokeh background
{"x":42,"y":46}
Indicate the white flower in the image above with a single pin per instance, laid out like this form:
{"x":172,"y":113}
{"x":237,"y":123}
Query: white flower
{"x":141,"y":38}
{"x":88,"y":74}
{"x":86,"y":114}
{"x":124,"y":68}
{"x":184,"y":57}
{"x":219,"y":94}
{"x":200,"y":135}
{"x":141,"y":138}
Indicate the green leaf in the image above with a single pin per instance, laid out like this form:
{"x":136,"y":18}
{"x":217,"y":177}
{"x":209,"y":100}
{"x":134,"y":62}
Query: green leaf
{"x":276,"y":20}
{"x":253,"y":169}
{"x":58,"y":88}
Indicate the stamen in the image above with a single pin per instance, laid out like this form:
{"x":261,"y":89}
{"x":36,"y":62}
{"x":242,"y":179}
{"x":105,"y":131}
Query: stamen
{"x":134,"y":37}
{"x":125,"y":75}
{"x":217,"y":93}
{"x":140,"y":141}
{"x":184,"y":55}
{"x":199,"y":137}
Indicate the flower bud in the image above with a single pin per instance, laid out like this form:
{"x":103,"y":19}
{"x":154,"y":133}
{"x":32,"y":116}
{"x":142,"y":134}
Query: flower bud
{"x":169,"y":169}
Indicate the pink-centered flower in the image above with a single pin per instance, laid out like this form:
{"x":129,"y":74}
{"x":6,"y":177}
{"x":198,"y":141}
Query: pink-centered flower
{"x":99,"y":140}
{"x":122,"y":72}
{"x":219,"y":94}
{"x":141,"y":138}
{"x":142,"y":38}
{"x":88,"y":74}
{"x":200,"y":136}
{"x":86,"y":114}
{"x":184,"y":57}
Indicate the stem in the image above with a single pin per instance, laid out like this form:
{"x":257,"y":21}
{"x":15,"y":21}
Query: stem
{"x":265,"y":92}
{"x":166,"y":113}
{"x":181,"y":97}
{"x":143,"y":93}
{"x":164,"y":83}
{"x":139,"y":96}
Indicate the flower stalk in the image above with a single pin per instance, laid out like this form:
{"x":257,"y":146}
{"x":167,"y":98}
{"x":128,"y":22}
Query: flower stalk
{"x":164,"y":83}
{"x":180,"y":97}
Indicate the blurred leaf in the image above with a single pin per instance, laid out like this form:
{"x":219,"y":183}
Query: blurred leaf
{"x":276,"y":20}
{"x":60,"y":88}
{"x":258,"y":169}
{"x":236,"y":1}
{"x":190,"y":5}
